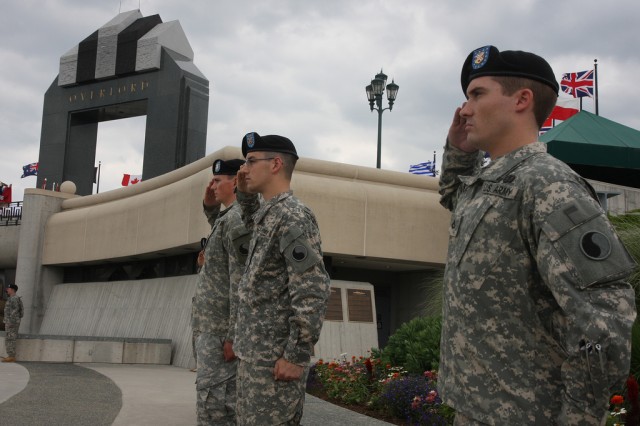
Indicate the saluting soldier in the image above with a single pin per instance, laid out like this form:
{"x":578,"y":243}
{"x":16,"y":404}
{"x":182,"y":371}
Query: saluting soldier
{"x":284,"y":290}
{"x":537,"y":316}
{"x":215,"y":304}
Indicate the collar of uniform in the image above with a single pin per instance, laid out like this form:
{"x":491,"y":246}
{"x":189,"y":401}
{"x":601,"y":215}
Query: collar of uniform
{"x":262,"y":212}
{"x":227,"y":209}
{"x":502,"y":165}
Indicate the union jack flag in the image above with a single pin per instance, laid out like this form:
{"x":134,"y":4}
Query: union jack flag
{"x":578,"y":84}
{"x":30,"y":170}
{"x":548,"y":125}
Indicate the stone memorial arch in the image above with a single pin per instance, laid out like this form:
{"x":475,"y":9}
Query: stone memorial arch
{"x":132,"y":66}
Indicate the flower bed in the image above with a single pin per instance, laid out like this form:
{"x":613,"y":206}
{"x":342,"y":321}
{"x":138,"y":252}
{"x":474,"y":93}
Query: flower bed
{"x":380,"y":390}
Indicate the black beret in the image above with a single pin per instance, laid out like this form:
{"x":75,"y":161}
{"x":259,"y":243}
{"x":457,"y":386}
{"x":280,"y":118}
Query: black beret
{"x":489,"y":61}
{"x":272,"y":143}
{"x":13,"y":286}
{"x":229,"y":167}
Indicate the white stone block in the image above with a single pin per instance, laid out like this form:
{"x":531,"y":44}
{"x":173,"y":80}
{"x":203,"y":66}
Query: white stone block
{"x":146,"y":353}
{"x":98,"y":351}
{"x":45,"y":350}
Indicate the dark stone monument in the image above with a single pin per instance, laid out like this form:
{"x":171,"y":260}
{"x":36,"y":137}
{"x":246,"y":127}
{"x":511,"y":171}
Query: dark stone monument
{"x":131,"y":66}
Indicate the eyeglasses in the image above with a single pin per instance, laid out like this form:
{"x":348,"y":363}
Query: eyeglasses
{"x":251,"y":161}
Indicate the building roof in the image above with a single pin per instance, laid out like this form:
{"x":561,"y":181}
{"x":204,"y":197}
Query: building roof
{"x":597,"y":148}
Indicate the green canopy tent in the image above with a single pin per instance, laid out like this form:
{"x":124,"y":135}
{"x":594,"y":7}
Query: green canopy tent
{"x":597,"y":148}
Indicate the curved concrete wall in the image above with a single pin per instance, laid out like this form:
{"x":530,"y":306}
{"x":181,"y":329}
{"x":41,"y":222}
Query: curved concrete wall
{"x":9,"y":238}
{"x":152,"y":309}
{"x":362,"y":212}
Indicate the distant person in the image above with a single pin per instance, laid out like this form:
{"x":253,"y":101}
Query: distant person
{"x":13,"y":313}
{"x":215,"y":301}
{"x":284,"y":290}
{"x":537,"y":316}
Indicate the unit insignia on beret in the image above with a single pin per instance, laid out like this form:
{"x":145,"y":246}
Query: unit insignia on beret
{"x":250,"y":140}
{"x":480,"y":57}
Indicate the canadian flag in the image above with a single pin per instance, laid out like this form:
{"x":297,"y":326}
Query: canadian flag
{"x":565,"y":108}
{"x":130,"y":179}
{"x":5,"y":193}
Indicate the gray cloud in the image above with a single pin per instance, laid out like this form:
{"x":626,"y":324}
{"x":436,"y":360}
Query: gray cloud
{"x":299,"y":68}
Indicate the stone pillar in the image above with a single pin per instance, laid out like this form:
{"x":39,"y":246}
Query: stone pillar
{"x":34,"y":280}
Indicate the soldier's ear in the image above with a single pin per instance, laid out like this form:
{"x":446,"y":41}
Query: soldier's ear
{"x":278,"y":163}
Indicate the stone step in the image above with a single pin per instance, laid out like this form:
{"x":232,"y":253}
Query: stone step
{"x":112,"y":350}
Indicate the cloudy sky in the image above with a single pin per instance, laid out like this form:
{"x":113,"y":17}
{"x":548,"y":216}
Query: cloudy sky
{"x":299,"y":68}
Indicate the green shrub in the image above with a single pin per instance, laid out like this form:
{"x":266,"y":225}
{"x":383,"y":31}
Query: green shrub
{"x":415,"y":346}
{"x":628,"y":228}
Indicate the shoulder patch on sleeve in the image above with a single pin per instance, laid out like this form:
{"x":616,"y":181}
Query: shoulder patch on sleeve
{"x":582,"y":234}
{"x":297,"y":250}
{"x":240,"y":239}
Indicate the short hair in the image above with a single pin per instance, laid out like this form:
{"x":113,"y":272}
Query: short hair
{"x":544,"y":98}
{"x":288,"y":162}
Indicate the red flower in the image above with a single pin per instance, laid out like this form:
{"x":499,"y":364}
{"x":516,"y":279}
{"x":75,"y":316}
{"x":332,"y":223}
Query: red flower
{"x":617,"y":400}
{"x":416,"y":403}
{"x":431,"y":375}
{"x":367,"y":363}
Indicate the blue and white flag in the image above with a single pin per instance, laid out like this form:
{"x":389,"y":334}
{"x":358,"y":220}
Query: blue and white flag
{"x":427,"y":168}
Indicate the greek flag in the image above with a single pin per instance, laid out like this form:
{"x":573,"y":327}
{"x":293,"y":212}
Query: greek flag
{"x":428,"y":168}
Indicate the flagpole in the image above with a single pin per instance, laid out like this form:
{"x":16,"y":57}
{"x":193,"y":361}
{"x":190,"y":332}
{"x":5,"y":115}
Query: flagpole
{"x":595,"y":95}
{"x":434,"y":164}
{"x":98,"y":183}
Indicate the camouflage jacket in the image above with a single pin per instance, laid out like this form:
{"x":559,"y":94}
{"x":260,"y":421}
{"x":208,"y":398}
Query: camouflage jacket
{"x":13,"y":310}
{"x":215,"y":301}
{"x":536,"y":315}
{"x":285,"y":287}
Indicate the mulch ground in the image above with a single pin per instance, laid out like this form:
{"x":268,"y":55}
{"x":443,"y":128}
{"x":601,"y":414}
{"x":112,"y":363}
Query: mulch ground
{"x":357,"y":408}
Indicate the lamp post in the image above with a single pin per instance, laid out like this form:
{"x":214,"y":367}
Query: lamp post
{"x":374,"y":94}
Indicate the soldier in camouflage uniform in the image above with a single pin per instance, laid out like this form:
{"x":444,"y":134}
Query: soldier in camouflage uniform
{"x":215,"y":302}
{"x":13,"y":312}
{"x":284,"y":290}
{"x":537,"y":316}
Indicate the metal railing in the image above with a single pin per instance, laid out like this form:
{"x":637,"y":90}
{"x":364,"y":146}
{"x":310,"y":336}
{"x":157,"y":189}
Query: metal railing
{"x":11,"y":214}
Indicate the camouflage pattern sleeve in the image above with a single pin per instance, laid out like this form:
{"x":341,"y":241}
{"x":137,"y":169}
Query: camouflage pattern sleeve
{"x":455,"y":162}
{"x":238,"y":239}
{"x":211,"y":212}
{"x":250,"y":203}
{"x":230,"y":335}
{"x":584,"y":264}
{"x":309,"y":287}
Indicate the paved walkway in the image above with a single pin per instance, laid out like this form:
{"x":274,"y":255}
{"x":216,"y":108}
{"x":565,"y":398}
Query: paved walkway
{"x":33,"y":393}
